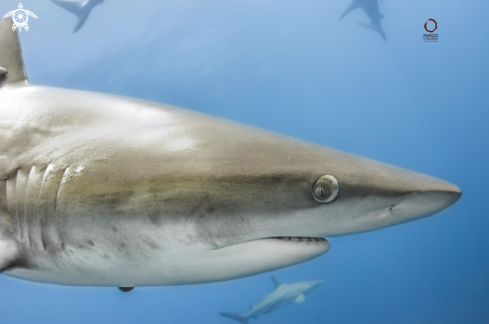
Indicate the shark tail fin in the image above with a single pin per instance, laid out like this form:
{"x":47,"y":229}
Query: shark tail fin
{"x":354,"y":5}
{"x":240,"y":317}
{"x":10,"y":54}
{"x":76,"y":8}
{"x":276,"y":282}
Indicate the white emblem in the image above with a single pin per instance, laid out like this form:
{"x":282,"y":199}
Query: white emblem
{"x":20,"y":17}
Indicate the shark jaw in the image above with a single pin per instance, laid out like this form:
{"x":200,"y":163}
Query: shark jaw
{"x":257,"y":256}
{"x":280,"y":251}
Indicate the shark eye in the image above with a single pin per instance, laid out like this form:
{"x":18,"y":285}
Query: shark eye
{"x":325,"y":189}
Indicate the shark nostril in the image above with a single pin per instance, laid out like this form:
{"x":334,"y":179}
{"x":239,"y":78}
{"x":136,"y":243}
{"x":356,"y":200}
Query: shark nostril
{"x":325,"y":189}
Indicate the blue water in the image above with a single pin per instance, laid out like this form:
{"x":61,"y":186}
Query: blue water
{"x":289,"y":66}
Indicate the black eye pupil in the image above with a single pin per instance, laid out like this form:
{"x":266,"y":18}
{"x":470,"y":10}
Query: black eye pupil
{"x":323,"y":190}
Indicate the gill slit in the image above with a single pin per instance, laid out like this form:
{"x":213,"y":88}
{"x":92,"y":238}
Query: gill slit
{"x":21,"y":223}
{"x":11,"y":230}
{"x":43,"y":181}
{"x":26,"y":221}
{"x":56,"y":207}
{"x":12,"y":205}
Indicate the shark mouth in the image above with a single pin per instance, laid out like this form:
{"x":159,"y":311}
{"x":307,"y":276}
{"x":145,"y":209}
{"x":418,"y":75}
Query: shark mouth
{"x":266,"y":254}
{"x":261,"y":255}
{"x":301,"y":239}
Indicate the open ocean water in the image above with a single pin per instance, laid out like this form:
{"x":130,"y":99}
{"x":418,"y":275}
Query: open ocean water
{"x":291,"y":67}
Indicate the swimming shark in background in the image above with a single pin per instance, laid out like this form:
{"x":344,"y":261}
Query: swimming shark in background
{"x":103,"y":190}
{"x":81,"y":9}
{"x":283,"y":295}
{"x":371,"y":8}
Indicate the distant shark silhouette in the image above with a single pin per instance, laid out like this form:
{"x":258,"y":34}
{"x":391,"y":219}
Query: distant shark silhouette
{"x":371,"y":8}
{"x":283,"y":295}
{"x":81,"y":9}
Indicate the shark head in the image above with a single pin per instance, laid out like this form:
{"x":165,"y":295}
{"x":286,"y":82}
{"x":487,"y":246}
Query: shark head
{"x":362,"y":195}
{"x":301,"y":193}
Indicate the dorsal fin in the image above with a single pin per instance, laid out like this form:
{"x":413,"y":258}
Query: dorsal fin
{"x":276,"y":282}
{"x":10,"y":53}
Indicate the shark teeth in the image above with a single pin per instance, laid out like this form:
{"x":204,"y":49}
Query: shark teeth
{"x":300,"y":239}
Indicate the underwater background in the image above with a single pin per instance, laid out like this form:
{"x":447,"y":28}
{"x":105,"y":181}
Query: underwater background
{"x":291,"y":67}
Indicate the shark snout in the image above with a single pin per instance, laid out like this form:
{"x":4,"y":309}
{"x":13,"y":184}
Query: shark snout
{"x":428,"y":197}
{"x":313,"y":285}
{"x":431,"y":201}
{"x":317,"y":283}
{"x":374,"y":195}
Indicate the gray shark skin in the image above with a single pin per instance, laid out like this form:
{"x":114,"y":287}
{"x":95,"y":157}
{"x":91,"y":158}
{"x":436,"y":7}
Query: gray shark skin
{"x":81,"y":9}
{"x":104,"y":190}
{"x":371,"y":9}
{"x":283,"y":295}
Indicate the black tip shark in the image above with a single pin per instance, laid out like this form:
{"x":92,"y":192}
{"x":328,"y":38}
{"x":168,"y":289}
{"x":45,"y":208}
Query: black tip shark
{"x":101,"y":190}
{"x":371,"y":8}
{"x":81,"y":9}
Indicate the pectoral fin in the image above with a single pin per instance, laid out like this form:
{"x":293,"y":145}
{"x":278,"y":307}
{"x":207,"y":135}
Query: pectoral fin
{"x":10,"y":256}
{"x":354,"y":5}
{"x":374,"y":28}
{"x":300,"y":299}
{"x":368,"y":26}
{"x":72,"y":6}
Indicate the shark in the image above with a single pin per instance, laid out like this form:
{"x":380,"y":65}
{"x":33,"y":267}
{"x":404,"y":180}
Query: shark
{"x":371,"y":9}
{"x":81,"y":9}
{"x":104,"y":190}
{"x":283,"y":295}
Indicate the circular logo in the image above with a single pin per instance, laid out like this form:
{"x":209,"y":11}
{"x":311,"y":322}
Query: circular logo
{"x":20,"y":18}
{"x":426,"y":25}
